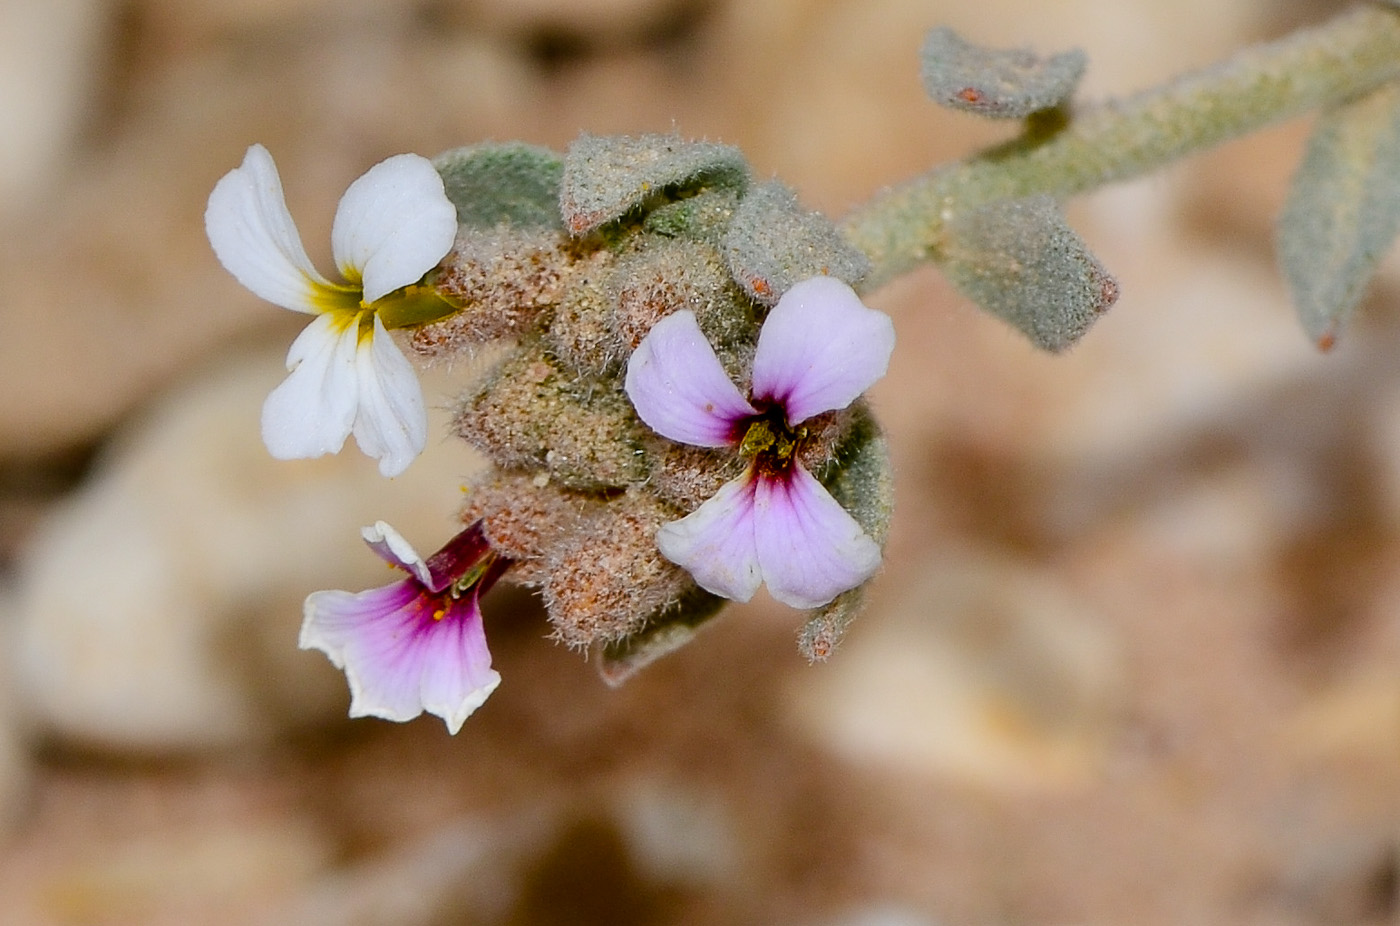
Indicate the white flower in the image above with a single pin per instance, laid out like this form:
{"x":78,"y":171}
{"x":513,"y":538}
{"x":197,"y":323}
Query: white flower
{"x":393,"y":225}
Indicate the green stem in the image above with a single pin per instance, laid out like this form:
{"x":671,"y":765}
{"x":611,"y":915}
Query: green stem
{"x":1343,"y":58}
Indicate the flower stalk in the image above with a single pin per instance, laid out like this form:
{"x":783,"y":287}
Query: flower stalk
{"x":1115,"y":140}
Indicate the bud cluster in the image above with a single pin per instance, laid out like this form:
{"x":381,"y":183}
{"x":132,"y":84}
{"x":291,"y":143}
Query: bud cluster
{"x":564,"y":265}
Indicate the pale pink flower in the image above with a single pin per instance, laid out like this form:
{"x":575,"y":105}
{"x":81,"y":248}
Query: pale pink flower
{"x":819,"y":349}
{"x":416,"y":645}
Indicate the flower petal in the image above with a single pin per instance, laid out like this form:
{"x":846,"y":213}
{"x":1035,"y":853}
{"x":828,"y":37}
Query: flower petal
{"x":820,"y":348}
{"x":678,"y":387}
{"x":810,"y":548}
{"x":391,"y":424}
{"x":391,"y":547}
{"x":460,"y":678}
{"x":254,"y":237}
{"x":312,"y":411}
{"x":393,"y":225}
{"x":715,"y":543}
{"x":404,"y":651}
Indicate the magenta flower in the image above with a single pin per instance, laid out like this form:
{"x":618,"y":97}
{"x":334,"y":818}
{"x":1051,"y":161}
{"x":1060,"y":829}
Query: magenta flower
{"x":819,"y":349}
{"x":416,"y":645}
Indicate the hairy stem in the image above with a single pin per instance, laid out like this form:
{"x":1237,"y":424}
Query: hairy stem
{"x":1327,"y":64}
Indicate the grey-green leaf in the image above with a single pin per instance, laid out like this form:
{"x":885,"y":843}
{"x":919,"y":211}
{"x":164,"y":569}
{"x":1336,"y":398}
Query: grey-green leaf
{"x":607,"y":176}
{"x":773,"y":243}
{"x":511,"y":183}
{"x":663,"y":634}
{"x":863,"y":482}
{"x":1343,"y":211}
{"x":1000,"y":83}
{"x":1020,"y":260}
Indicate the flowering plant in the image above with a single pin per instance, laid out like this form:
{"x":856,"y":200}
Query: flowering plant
{"x":633,"y":282}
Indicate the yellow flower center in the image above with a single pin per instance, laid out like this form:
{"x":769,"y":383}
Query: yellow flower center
{"x":770,"y":442}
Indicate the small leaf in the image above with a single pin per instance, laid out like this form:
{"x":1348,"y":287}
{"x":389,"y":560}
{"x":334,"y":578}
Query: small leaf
{"x":1020,"y":260}
{"x":607,"y":176}
{"x":1001,"y":84}
{"x":773,"y":243}
{"x":1343,"y":211}
{"x":511,"y":183}
{"x":663,"y":635}
{"x":863,"y":482}
{"x":826,"y":628}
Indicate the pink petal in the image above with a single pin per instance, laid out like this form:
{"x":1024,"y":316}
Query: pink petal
{"x":678,"y":387}
{"x":715,"y":543}
{"x":404,"y":650}
{"x":820,"y":348}
{"x":460,"y":679}
{"x":809,"y":547}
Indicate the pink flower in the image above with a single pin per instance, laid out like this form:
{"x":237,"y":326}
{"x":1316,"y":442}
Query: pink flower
{"x":819,"y":349}
{"x":416,"y":645}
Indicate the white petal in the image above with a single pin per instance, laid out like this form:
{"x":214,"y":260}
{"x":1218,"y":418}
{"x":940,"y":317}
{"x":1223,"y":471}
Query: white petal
{"x":391,"y":424}
{"x":312,"y":411}
{"x":678,"y":387}
{"x":254,"y":237}
{"x":820,"y":348}
{"x":810,"y":548}
{"x":404,"y":652}
{"x":393,"y":225}
{"x":715,"y":543}
{"x":395,"y":550}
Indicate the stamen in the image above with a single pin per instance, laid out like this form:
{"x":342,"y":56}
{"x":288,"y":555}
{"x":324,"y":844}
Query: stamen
{"x":757,"y":439}
{"x":472,"y":576}
{"x":770,"y":442}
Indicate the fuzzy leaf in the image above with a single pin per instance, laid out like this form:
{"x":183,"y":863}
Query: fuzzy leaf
{"x":1343,"y":211}
{"x":1020,"y":260}
{"x":663,"y":634}
{"x":1001,"y":84}
{"x":862,"y":481}
{"x":607,"y":176}
{"x":511,"y":183}
{"x":773,"y":243}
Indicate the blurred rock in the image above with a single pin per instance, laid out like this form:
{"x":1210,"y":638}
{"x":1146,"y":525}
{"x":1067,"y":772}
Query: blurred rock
{"x":1354,"y":724}
{"x":596,"y":20}
{"x":186,"y":20}
{"x":978,"y":668}
{"x":465,"y":872}
{"x":680,"y":835}
{"x":50,"y":56}
{"x":14,"y":754}
{"x":551,"y":862}
{"x":189,"y":869}
{"x":159,"y":607}
{"x":880,"y":915}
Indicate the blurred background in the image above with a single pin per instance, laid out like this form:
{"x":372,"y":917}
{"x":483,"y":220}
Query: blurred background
{"x":1134,"y":657}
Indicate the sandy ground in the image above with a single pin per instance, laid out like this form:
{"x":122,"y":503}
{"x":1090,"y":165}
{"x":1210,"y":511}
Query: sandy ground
{"x":1134,"y":657}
